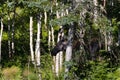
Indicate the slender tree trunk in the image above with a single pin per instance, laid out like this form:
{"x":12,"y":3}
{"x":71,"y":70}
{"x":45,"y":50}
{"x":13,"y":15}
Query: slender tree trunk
{"x":105,"y":35}
{"x":13,"y":33}
{"x":53,"y":44}
{"x":68,"y":55}
{"x":45,"y":19}
{"x":69,"y":48}
{"x":1,"y":31}
{"x":95,"y":15}
{"x":57,"y":56}
{"x":63,"y":13}
{"x":49,"y":39}
{"x":9,"y":38}
{"x":119,"y":37}
{"x":104,"y":3}
{"x":31,"y":40}
{"x":52,"y":32}
{"x":49,"y":45}
{"x":37,"y":48}
{"x":110,"y":41}
{"x":112,"y":2}
{"x":61,"y":53}
{"x":95,"y":10}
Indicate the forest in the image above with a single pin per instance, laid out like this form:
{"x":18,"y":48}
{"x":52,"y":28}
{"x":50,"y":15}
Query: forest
{"x":59,"y":39}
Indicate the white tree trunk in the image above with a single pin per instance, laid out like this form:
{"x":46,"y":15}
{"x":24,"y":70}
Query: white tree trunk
{"x":49,"y":39}
{"x":69,"y":48}
{"x":61,"y":54}
{"x":9,"y":45}
{"x":31,"y":40}
{"x":104,"y":3}
{"x":1,"y":31}
{"x":68,"y":56}
{"x":37,"y":48}
{"x":45,"y":19}
{"x":57,"y":56}
{"x":95,"y":10}
{"x":13,"y":33}
{"x":52,"y":33}
{"x":110,"y":41}
{"x":53,"y":43}
{"x":63,"y":13}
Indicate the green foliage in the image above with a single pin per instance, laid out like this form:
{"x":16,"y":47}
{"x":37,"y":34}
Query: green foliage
{"x":115,"y":75}
{"x":46,"y":67}
{"x":115,"y":25}
{"x":64,"y":20}
{"x":99,"y":71}
{"x":5,"y":36}
{"x":71,"y":75}
{"x":42,"y":4}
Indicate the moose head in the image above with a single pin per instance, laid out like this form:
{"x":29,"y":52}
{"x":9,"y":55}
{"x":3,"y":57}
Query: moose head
{"x":60,"y":46}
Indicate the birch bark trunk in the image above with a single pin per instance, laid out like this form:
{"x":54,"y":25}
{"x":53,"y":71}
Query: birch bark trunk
{"x":57,"y":63}
{"x":104,"y":3}
{"x":37,"y":48}
{"x":1,"y":31}
{"x":61,"y":53}
{"x":57,"y":58}
{"x":31,"y":40}
{"x":95,"y":10}
{"x":53,"y":43}
{"x":45,"y":19}
{"x":13,"y":33}
{"x":110,"y":41}
{"x":9,"y":38}
{"x":69,"y":48}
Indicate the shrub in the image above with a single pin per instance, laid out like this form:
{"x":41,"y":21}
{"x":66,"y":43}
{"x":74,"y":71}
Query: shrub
{"x":12,"y":73}
{"x":29,"y":75}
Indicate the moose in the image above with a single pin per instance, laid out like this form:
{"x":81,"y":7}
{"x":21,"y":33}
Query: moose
{"x":92,"y":47}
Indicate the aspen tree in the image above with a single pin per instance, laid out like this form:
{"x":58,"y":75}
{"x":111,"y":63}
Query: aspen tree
{"x":31,"y":40}
{"x":1,"y":31}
